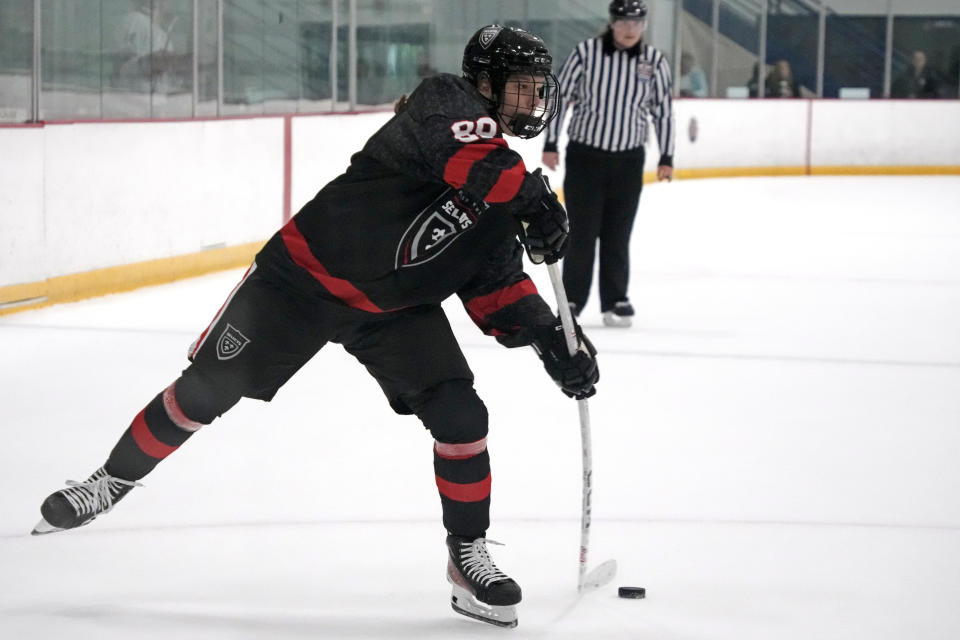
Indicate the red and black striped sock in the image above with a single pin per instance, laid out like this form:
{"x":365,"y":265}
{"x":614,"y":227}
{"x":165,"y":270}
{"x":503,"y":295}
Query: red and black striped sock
{"x":463,"y":478}
{"x":157,"y":431}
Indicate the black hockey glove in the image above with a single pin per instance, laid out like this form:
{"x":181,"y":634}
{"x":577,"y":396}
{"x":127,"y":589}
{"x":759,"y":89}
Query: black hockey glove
{"x":545,"y":230}
{"x":575,"y":374}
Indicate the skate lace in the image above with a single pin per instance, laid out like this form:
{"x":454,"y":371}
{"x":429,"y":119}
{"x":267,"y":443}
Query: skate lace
{"x":477,"y":563}
{"x":96,"y":494}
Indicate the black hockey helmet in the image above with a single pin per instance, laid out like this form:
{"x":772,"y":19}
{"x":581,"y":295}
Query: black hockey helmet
{"x":498,"y":52}
{"x":628,"y":10}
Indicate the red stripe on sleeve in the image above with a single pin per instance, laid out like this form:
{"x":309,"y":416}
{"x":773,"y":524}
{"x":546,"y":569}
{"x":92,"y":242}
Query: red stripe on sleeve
{"x":508,"y":184}
{"x":148,"y":442}
{"x":342,"y":289}
{"x":492,"y":302}
{"x":472,"y":492}
{"x":458,"y":167}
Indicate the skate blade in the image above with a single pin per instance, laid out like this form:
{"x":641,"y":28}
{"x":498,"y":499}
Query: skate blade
{"x":613,"y":320}
{"x":43,"y":527}
{"x":465,"y":604}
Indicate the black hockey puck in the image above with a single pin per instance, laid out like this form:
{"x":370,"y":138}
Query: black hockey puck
{"x":632,"y":592}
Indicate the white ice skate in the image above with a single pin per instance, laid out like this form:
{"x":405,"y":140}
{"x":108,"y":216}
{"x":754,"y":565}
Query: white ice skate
{"x":480,"y":590}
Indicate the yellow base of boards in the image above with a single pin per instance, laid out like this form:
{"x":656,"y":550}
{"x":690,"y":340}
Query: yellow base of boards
{"x":100,"y":282}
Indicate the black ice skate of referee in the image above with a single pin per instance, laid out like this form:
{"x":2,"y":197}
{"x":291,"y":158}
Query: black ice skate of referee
{"x":435,"y":204}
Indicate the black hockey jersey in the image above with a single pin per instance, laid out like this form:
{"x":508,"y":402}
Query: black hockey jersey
{"x":426,"y":209}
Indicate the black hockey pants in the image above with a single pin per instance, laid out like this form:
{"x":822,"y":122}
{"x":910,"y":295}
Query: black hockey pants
{"x":264,"y":334}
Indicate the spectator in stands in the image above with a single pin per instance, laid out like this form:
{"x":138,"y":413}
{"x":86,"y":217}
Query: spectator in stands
{"x":693,"y":81}
{"x":753,"y":83}
{"x":145,"y":44}
{"x":918,"y":80}
{"x":952,"y":84}
{"x":781,"y":83}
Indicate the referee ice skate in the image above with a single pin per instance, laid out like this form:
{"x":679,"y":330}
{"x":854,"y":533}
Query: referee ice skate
{"x":430,"y":207}
{"x":614,"y":83}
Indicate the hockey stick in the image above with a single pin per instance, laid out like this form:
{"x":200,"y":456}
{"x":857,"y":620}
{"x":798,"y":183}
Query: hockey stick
{"x":604,"y":573}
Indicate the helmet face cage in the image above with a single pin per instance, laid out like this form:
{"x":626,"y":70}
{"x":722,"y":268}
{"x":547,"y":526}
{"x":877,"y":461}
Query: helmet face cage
{"x":527,"y":100}
{"x":518,"y":67}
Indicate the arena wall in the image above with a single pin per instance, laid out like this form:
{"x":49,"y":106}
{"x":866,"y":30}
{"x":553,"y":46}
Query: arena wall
{"x":99,"y":207}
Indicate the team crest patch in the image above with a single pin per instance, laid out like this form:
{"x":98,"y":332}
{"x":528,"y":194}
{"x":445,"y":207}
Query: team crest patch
{"x":230,"y":343}
{"x":644,"y":70}
{"x":435,"y":228}
{"x":488,"y":35}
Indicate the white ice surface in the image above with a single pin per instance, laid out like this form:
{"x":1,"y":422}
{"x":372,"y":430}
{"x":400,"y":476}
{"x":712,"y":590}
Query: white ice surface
{"x":776,"y":446}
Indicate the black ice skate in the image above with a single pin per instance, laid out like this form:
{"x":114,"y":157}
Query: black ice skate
{"x":620,"y":316}
{"x":81,"y":502}
{"x":480,"y":590}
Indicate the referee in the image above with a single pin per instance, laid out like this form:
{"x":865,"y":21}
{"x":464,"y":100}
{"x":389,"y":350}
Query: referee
{"x":614,"y":82}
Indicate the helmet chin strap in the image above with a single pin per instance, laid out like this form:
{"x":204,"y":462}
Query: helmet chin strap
{"x":520,"y":122}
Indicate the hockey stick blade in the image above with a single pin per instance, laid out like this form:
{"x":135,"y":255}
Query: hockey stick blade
{"x":599,"y":576}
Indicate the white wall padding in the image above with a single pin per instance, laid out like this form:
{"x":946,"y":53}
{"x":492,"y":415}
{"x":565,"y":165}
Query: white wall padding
{"x":885,"y":133}
{"x":322,"y":146}
{"x":78,"y":197}
{"x":117,"y":193}
{"x":22,"y":223}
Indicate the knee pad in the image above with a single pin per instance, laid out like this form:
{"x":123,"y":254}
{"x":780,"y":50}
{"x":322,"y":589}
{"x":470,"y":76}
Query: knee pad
{"x":201,"y":399}
{"x":452,"y":411}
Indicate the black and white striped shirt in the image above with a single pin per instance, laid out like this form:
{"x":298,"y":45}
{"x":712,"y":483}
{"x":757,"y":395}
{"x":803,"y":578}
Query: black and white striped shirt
{"x":612,"y":92}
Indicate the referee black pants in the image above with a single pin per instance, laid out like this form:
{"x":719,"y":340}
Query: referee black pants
{"x":601,"y":191}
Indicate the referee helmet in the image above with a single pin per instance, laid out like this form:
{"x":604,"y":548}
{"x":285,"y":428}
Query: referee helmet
{"x":628,"y":9}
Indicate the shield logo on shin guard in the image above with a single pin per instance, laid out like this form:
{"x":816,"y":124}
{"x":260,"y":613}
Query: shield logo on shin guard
{"x":230,"y":343}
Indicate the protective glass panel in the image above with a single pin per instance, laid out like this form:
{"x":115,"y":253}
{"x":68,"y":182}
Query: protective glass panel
{"x":71,"y":41}
{"x":661,"y":27}
{"x":696,"y":41}
{"x":261,"y":56}
{"x":390,"y":60}
{"x":133,"y":59}
{"x":926,"y":57}
{"x":208,"y":78}
{"x":738,"y":49}
{"x":243,"y":86}
{"x":16,"y":60}
{"x":854,"y":54}
{"x":147,"y":58}
{"x":315,"y":51}
{"x":792,"y":36}
{"x":281,"y":84}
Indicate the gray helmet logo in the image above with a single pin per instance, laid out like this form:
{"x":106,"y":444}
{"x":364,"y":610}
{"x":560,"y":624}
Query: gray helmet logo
{"x":488,"y":35}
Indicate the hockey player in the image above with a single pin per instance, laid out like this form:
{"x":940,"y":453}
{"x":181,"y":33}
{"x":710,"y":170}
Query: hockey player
{"x":433,"y":205}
